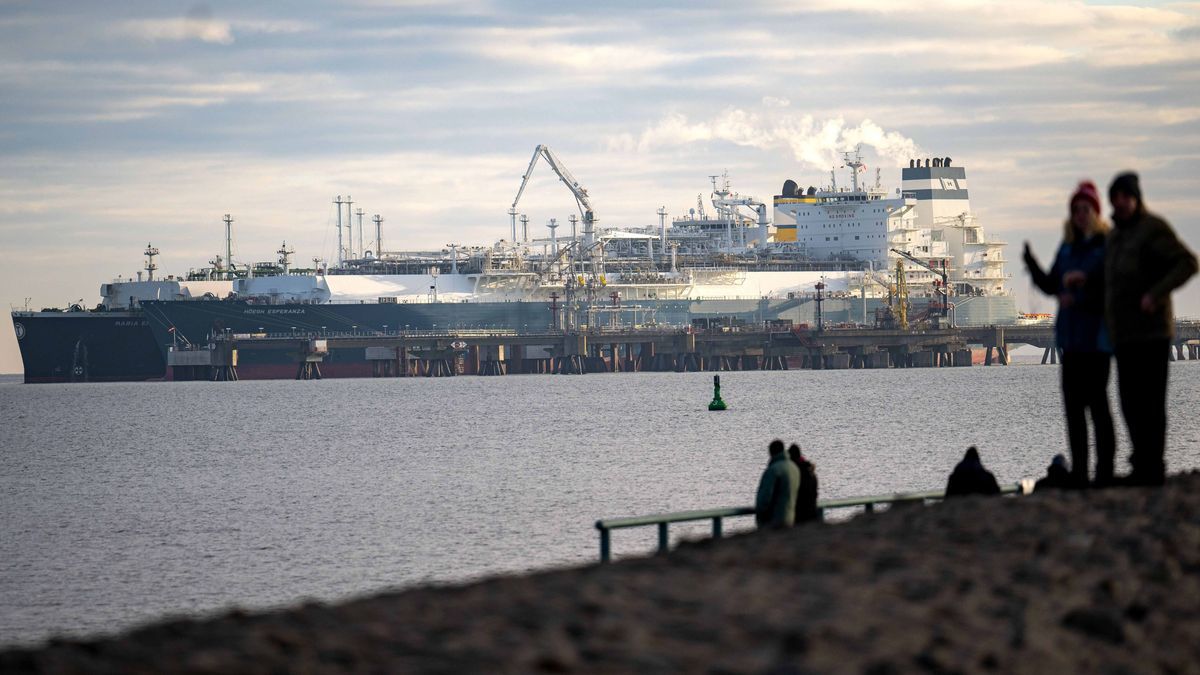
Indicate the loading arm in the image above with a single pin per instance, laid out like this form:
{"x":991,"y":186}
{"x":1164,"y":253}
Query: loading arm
{"x":945,"y":287}
{"x":577,"y":190}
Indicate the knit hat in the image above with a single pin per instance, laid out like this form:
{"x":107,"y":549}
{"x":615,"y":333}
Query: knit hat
{"x":1059,"y":461}
{"x":1087,"y":190}
{"x":1126,"y":183}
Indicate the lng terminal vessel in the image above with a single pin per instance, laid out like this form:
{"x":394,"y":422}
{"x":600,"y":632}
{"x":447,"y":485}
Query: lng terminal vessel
{"x":859,"y":243}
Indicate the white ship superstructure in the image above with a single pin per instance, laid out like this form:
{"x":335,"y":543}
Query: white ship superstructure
{"x":842,"y":238}
{"x":943,"y":206}
{"x":929,"y":218}
{"x":862,"y":223}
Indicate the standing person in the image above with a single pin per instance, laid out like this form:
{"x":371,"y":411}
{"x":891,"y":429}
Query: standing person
{"x":1145,"y":262}
{"x":806,"y":496}
{"x":1077,"y":279}
{"x":776,"y":502}
{"x":970,"y":478}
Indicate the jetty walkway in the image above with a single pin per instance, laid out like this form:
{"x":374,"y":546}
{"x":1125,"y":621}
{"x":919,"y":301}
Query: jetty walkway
{"x":499,"y":352}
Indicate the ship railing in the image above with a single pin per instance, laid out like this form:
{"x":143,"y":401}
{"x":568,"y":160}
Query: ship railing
{"x":868,"y":504}
{"x":391,"y":332}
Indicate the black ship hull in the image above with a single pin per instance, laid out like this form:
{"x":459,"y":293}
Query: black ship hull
{"x":87,"y":347}
{"x":133,"y":345}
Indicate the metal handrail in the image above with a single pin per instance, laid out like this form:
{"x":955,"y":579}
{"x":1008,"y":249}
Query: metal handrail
{"x":607,"y":525}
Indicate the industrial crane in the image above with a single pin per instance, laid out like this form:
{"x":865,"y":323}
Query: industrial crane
{"x":579,"y":192}
{"x":943,"y":289}
{"x":901,"y":312}
{"x":894,"y":314}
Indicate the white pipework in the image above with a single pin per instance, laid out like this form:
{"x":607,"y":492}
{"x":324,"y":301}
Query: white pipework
{"x":662,"y":230}
{"x":362,"y":250}
{"x":378,"y":236}
{"x":229,"y":245}
{"x":349,"y":229}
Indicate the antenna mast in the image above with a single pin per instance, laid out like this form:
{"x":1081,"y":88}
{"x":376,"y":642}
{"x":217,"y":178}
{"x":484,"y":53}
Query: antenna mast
{"x":229,"y":246}
{"x":524,"y":228}
{"x":285,"y":257}
{"x":855,"y":164}
{"x":150,"y":266}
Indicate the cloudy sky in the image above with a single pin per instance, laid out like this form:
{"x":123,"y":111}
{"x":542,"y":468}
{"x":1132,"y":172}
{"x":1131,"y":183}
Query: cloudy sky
{"x":147,"y":121}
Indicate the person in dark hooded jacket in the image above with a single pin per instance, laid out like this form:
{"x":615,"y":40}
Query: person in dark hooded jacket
{"x":775,"y":504}
{"x":970,"y":478}
{"x":1077,"y":279}
{"x":1057,"y":476}
{"x":806,"y":497}
{"x":1144,"y":263}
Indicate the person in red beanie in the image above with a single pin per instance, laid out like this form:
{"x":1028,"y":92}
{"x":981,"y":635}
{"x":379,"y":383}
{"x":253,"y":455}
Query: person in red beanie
{"x":1077,"y":279}
{"x":1145,"y":262}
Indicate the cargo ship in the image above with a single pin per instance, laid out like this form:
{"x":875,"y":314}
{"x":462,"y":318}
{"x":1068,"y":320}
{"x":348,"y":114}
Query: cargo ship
{"x":854,"y":242}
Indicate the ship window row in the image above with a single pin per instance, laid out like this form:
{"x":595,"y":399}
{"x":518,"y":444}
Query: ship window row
{"x":810,"y":213}
{"x":842,"y":225}
{"x":856,"y":237}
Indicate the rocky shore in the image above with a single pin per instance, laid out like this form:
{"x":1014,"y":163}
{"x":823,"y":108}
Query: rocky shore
{"x":1097,"y":582}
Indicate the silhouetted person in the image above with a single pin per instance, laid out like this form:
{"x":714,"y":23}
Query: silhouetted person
{"x":806,"y":497}
{"x":1057,"y":476}
{"x":970,"y":478}
{"x":775,"y":505}
{"x":1145,"y":262}
{"x":1077,"y":279}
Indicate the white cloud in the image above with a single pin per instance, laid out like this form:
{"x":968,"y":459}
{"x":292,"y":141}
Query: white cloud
{"x":812,"y":142}
{"x":181,"y":29}
{"x":206,"y":29}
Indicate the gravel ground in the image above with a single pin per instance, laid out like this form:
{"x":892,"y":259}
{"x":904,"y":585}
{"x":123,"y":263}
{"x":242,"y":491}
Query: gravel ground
{"x":1096,"y":582}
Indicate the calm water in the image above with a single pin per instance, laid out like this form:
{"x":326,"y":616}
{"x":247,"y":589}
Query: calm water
{"x":122,"y":503}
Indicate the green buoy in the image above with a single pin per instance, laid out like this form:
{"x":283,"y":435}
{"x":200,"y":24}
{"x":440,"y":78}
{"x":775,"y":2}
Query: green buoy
{"x":717,"y":403}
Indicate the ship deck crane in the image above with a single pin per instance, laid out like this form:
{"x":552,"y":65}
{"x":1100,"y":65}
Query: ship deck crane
{"x":577,"y":190}
{"x":944,"y":289}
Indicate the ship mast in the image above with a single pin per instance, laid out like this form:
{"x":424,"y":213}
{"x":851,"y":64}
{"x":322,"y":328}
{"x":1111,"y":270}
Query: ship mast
{"x":150,"y":266}
{"x":855,"y":164}
{"x":285,"y":257}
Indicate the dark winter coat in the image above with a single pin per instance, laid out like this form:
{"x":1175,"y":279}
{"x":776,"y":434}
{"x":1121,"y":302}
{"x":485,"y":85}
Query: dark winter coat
{"x":970,"y":478}
{"x":806,"y":498}
{"x":1080,"y":326}
{"x":1057,"y":477}
{"x":775,"y":505}
{"x":1144,"y":256}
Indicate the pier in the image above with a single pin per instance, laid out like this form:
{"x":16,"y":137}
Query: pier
{"x":497,"y":352}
